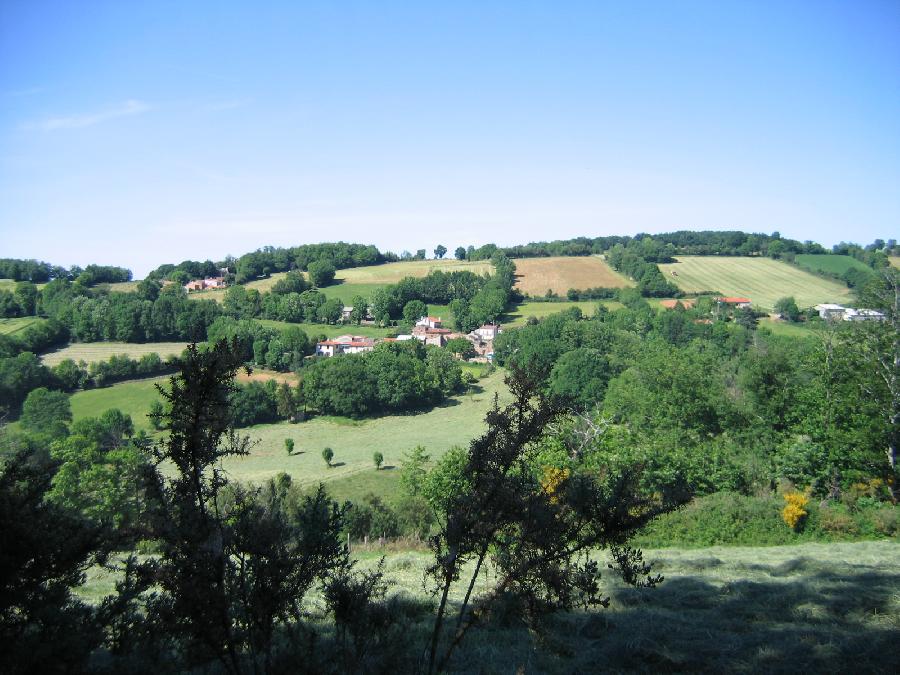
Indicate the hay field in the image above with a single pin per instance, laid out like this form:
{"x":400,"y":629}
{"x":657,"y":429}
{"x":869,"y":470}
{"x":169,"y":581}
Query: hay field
{"x":13,"y":326}
{"x":895,"y":261}
{"x":133,"y":397}
{"x":536,"y":275}
{"x":832,"y":264}
{"x":101,"y":351}
{"x":328,"y":330}
{"x":763,"y":280}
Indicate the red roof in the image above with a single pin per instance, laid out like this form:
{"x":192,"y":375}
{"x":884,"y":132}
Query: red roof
{"x":733,"y":301}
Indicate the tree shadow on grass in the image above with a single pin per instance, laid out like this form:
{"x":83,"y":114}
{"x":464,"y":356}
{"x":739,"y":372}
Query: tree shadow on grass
{"x":820,"y":622}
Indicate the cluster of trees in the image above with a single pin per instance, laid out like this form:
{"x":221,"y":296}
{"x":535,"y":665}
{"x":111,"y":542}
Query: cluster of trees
{"x":438,"y":287}
{"x":340,"y":255}
{"x":393,"y":377}
{"x":228,"y":584}
{"x":491,"y":300}
{"x":638,"y":261}
{"x":281,"y":350}
{"x":38,"y":337}
{"x":719,"y":406}
{"x":23,"y":300}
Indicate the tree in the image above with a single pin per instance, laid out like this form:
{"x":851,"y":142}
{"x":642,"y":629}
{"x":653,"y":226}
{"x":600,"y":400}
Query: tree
{"x":328,"y":455}
{"x":460,"y":253}
{"x":413,"y":470}
{"x":321,"y":273}
{"x":289,"y":446}
{"x":440,"y":251}
{"x":420,"y":254}
{"x":46,"y":411}
{"x":414,"y":310}
{"x":536,"y":523}
{"x":360,"y":309}
{"x":378,"y":458}
{"x":787,"y":308}
{"x":580,"y":376}
{"x":26,"y":295}
{"x":461,"y":347}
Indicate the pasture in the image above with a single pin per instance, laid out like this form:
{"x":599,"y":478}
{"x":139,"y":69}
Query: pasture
{"x":133,"y":397}
{"x":330,"y":331}
{"x":90,"y":352}
{"x":816,"y":607}
{"x":895,"y":261}
{"x":13,"y":326}
{"x":763,"y":280}
{"x":830,"y":264}
{"x":456,"y":422}
{"x":535,"y":276}
{"x":518,"y":314}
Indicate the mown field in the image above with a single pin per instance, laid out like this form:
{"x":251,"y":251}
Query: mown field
{"x":329,"y":330}
{"x":455,"y":422}
{"x":101,"y":351}
{"x":895,"y":260}
{"x":536,"y":276}
{"x":814,"y":607}
{"x":10,"y":284}
{"x":13,"y":326}
{"x":518,"y":314}
{"x":133,"y":397}
{"x":831,"y":264}
{"x":762,"y":280}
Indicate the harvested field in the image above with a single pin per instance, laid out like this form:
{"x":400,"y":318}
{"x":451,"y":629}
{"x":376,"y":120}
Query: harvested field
{"x":763,"y":280}
{"x":263,"y":376}
{"x":101,"y":351}
{"x":558,"y":274}
{"x":895,"y":260}
{"x":13,"y":326}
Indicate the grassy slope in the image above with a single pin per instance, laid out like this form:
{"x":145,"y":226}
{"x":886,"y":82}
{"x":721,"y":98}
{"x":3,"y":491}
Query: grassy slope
{"x":762,"y":280}
{"x":101,"y":351}
{"x":814,"y":607}
{"x":518,"y":314}
{"x":833,"y":264}
{"x":330,"y":331}
{"x":454,"y":423}
{"x":535,"y":275}
{"x":133,"y":397}
{"x":12,"y":326}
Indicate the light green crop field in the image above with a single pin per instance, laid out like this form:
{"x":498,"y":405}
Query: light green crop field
{"x":787,"y":329}
{"x":101,"y":351}
{"x":763,"y":280}
{"x":13,"y":326}
{"x":456,"y":422}
{"x":895,"y":260}
{"x":814,"y":607}
{"x":133,"y":397}
{"x":518,"y":314}
{"x":833,"y":264}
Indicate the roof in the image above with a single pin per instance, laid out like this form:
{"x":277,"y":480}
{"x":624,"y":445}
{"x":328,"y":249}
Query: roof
{"x":733,"y":301}
{"x":830,"y":306}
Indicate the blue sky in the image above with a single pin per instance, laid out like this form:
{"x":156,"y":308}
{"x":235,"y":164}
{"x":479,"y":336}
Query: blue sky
{"x":142,"y":133}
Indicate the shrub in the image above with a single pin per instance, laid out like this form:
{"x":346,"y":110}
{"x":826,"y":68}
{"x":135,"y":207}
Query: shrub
{"x":328,"y":455}
{"x":835,"y":520}
{"x":378,"y":458}
{"x":794,"y":513}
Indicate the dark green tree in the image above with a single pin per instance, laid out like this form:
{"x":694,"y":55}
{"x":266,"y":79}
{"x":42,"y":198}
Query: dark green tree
{"x":440,"y":251}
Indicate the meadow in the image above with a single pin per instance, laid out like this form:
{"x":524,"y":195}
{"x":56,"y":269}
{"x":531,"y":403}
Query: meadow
{"x":13,"y":326}
{"x":535,"y":276}
{"x":812,"y":607}
{"x":830,"y":264}
{"x":518,"y":314}
{"x":101,"y":351}
{"x":330,"y":331}
{"x":762,"y":280}
{"x":133,"y":397}
{"x":895,"y":260}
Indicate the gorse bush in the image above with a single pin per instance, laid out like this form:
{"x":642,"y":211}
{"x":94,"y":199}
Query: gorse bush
{"x":794,"y":513}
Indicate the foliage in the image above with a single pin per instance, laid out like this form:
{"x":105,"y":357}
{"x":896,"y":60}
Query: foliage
{"x":328,"y":455}
{"x":378,"y":459}
{"x":794,"y":513}
{"x":46,"y":411}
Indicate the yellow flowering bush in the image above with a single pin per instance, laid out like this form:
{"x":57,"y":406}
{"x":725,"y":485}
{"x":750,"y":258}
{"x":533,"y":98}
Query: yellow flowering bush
{"x":552,"y":479}
{"x":794,"y":511}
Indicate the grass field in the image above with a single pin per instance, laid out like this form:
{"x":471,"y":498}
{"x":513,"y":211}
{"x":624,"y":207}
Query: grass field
{"x":536,"y":275}
{"x":13,"y":326}
{"x":787,"y":329}
{"x":329,"y":330}
{"x":815,"y":607}
{"x":101,"y":351}
{"x":762,"y":280}
{"x":122,"y":286}
{"x":519,"y":314}
{"x":456,"y":422}
{"x":133,"y":397}
{"x":895,"y":260}
{"x":832,"y":264}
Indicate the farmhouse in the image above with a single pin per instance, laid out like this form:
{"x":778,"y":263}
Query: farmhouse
{"x":488,"y":331}
{"x":429,"y":322}
{"x":203,"y":284}
{"x":344,"y":344}
{"x":432,"y":336}
{"x":740,"y":303}
{"x":832,"y":312}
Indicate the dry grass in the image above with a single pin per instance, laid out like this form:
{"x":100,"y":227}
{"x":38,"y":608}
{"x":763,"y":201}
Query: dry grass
{"x":101,"y":351}
{"x":895,"y":260}
{"x":536,"y":275}
{"x":263,"y":376}
{"x":762,"y":280}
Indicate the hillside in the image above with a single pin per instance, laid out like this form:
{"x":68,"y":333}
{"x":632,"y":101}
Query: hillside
{"x":831,"y":264}
{"x":763,"y":280}
{"x":535,"y":276}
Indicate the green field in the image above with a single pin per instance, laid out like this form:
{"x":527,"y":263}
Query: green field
{"x":762,"y":280}
{"x":814,"y":607}
{"x":329,"y":330}
{"x":518,"y":315}
{"x":13,"y":326}
{"x":831,"y":264}
{"x":133,"y":397}
{"x":101,"y":351}
{"x":788,"y":329}
{"x":895,"y":260}
{"x":456,"y":422}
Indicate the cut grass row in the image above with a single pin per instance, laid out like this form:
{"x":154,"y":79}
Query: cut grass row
{"x":762,"y":280}
{"x":13,"y":326}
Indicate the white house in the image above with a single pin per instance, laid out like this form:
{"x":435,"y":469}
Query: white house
{"x":430,"y":322}
{"x":831,"y":311}
{"x":345,"y":344}
{"x":488,"y":331}
{"x":863,"y":315}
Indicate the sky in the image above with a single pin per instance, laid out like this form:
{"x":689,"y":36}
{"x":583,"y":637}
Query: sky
{"x":141,"y":133}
